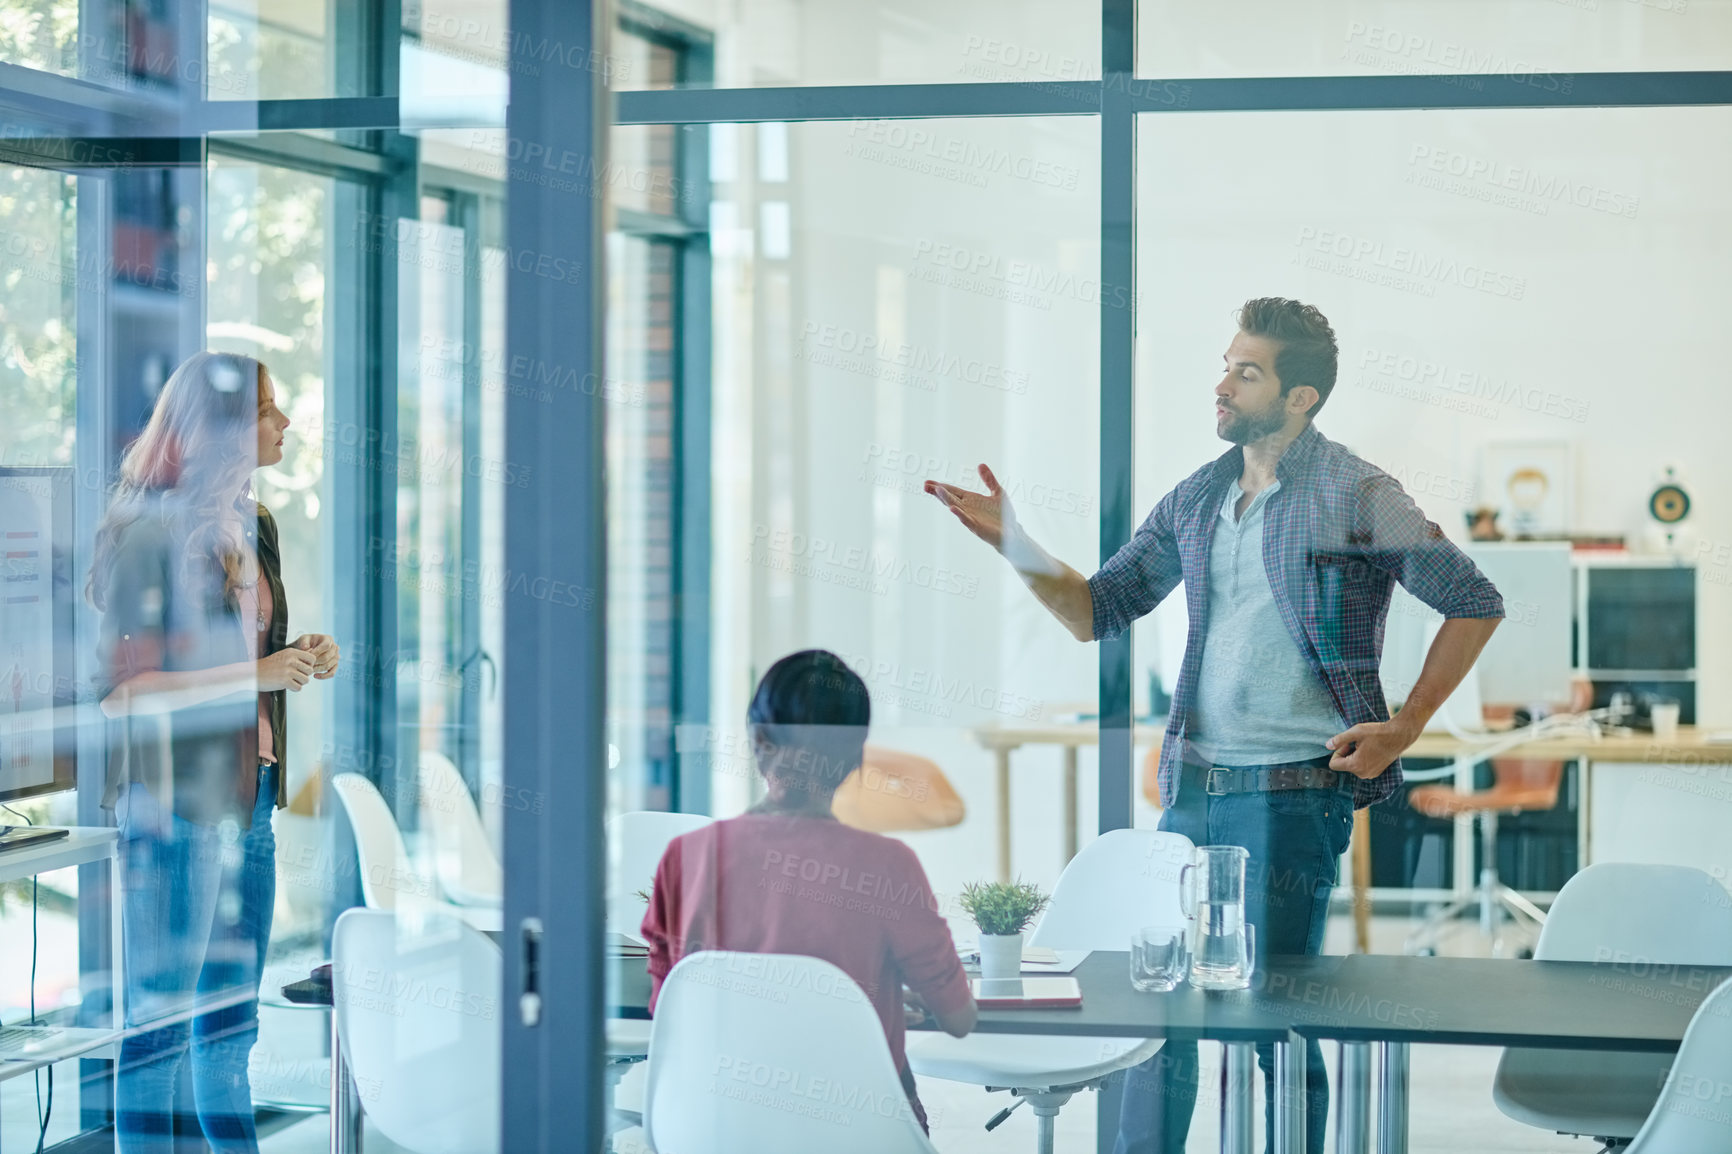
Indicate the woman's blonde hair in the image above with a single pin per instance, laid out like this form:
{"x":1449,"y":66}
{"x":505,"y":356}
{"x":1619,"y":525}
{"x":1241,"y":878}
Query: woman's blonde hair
{"x":200,"y":443}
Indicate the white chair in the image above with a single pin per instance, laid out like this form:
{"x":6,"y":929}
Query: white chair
{"x":417,"y":1005}
{"x":635,"y":843}
{"x":387,"y":877}
{"x":772,"y":1054}
{"x":1661,"y":914}
{"x":389,"y":881}
{"x":1119,"y":883}
{"x":1694,"y":1113}
{"x":467,"y":868}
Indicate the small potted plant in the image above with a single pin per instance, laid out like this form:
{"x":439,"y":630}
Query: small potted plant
{"x":1001,"y":911}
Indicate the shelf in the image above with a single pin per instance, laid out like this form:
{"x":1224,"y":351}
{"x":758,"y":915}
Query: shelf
{"x":86,"y":843}
{"x":76,"y":1042}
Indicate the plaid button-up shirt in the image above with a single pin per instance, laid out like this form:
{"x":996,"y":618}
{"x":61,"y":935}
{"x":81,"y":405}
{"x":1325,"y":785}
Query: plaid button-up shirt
{"x":1336,"y":537}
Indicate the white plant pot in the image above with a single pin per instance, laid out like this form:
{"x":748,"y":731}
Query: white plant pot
{"x":1000,"y":956}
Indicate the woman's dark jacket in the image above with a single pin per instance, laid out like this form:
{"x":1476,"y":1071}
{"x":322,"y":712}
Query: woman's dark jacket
{"x":165,"y":609}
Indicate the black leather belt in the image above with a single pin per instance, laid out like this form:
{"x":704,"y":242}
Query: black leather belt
{"x":1219,"y":780}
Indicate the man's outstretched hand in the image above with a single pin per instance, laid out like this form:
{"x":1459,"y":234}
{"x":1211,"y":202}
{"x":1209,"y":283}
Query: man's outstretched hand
{"x":989,"y":516}
{"x":983,"y":513}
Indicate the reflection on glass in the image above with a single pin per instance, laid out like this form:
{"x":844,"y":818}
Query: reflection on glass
{"x":38,"y":317}
{"x":883,"y":317}
{"x":1537,"y":43}
{"x":759,"y":43}
{"x":266,"y":240}
{"x":643,"y":522}
{"x":41,"y":34}
{"x":275,"y":51}
{"x":197,"y":661}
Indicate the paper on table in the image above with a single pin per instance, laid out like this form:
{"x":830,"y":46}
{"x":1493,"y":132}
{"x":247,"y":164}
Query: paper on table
{"x":1035,"y":960}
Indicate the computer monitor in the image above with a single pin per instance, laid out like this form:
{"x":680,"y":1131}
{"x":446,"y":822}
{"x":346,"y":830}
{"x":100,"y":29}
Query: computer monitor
{"x":1407,"y":637}
{"x":1528,"y":660}
{"x":1640,"y":618}
{"x":37,"y":599}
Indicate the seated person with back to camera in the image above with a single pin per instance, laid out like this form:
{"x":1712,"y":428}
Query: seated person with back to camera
{"x":787,"y":878}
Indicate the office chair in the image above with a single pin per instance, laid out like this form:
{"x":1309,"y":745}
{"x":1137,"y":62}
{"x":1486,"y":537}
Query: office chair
{"x":1660,"y":914}
{"x":896,"y":792}
{"x":1681,"y":1122}
{"x":636,"y":841}
{"x":389,"y":880}
{"x":789,"y":1062}
{"x":387,"y":877}
{"x":1120,"y":882}
{"x":468,"y":870}
{"x":1518,"y":784}
{"x":427,"y":1068}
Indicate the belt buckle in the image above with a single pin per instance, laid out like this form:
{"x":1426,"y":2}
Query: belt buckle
{"x":1209,"y":782}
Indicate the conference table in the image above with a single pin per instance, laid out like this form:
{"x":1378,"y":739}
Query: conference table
{"x":1390,"y":1002}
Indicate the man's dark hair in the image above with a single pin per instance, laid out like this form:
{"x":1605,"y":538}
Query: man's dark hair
{"x":1307,"y":355}
{"x":808,"y":721}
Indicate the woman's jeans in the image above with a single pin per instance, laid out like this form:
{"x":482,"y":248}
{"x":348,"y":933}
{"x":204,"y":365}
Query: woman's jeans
{"x":1294,"y":837}
{"x":196,"y":918}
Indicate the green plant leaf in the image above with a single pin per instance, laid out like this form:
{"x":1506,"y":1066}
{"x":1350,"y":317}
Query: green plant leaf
{"x":1002,"y":907}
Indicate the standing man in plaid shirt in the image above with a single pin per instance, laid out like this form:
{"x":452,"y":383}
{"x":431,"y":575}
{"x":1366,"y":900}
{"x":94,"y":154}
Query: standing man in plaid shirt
{"x":1288,"y":546}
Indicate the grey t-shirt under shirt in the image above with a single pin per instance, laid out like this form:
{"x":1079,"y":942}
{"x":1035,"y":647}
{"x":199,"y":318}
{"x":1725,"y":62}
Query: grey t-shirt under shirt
{"x":1258,"y":700}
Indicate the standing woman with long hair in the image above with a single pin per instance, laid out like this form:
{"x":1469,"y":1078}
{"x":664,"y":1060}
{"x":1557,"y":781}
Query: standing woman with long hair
{"x":195,"y":651}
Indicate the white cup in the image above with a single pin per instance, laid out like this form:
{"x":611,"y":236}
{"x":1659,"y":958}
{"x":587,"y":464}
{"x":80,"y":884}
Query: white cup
{"x":1665,"y":715}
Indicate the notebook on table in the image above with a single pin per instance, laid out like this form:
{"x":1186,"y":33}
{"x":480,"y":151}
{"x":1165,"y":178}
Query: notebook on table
{"x":1026,"y":993}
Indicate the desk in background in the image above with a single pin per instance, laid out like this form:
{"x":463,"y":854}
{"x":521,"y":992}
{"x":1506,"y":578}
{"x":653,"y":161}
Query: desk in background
{"x":1688,"y":769}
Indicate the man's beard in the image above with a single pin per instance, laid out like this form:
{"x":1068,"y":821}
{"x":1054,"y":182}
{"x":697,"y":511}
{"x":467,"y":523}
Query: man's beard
{"x":1243,"y":428}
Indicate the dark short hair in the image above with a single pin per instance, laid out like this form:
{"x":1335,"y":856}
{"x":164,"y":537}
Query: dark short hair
{"x":1308,"y":354}
{"x":813,"y":711}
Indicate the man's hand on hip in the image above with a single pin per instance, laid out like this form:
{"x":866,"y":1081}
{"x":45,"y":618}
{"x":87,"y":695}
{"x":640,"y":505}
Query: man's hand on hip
{"x":1369,"y":748}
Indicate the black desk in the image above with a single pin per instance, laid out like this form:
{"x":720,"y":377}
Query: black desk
{"x":1357,"y":1000}
{"x":1111,"y":1008}
{"x":1395,"y":1001}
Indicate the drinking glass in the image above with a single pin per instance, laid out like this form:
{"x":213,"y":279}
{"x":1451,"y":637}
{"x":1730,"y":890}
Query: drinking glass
{"x":1663,"y":712}
{"x":1160,"y":957}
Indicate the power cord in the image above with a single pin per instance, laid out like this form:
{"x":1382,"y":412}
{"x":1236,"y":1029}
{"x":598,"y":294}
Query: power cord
{"x":42,"y":1119}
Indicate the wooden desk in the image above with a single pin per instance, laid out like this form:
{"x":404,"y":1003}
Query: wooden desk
{"x":1688,"y":748}
{"x":1003,"y":739}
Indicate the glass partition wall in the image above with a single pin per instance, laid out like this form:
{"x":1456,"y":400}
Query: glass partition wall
{"x":587,"y":421}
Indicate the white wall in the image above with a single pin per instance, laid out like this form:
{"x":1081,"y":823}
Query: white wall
{"x":1602,"y":349}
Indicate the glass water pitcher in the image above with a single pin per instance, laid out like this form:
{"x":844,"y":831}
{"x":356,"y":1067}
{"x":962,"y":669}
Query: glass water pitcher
{"x":1212,"y":888}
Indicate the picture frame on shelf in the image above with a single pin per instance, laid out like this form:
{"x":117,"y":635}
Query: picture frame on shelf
{"x":1532,"y":485}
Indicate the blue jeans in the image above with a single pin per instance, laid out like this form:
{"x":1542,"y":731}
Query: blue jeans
{"x":195,"y":921}
{"x":1294,"y":837}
